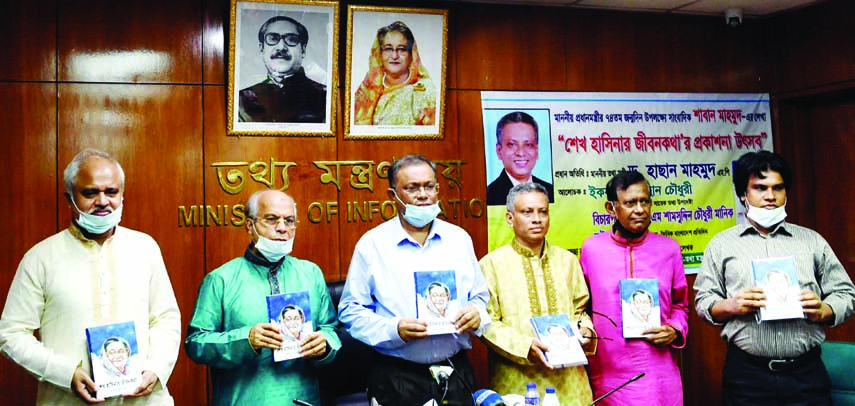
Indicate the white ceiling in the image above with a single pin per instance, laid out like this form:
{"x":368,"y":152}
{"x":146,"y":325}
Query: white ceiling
{"x":750,"y":8}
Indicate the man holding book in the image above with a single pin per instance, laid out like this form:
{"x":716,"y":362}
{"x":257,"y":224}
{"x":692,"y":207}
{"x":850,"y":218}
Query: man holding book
{"x":379,"y":304}
{"x":93,"y":273}
{"x":231,"y":330}
{"x":528,"y":279}
{"x":773,"y":359}
{"x":629,"y":264}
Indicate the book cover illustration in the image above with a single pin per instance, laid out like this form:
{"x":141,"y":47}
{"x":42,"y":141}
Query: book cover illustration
{"x":115,"y":359}
{"x":780,"y":283}
{"x":562,"y":338}
{"x":293,"y":313}
{"x":639,"y":306}
{"x":436,"y":300}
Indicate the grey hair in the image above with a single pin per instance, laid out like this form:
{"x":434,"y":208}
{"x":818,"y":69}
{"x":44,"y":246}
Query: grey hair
{"x":405,"y":161}
{"x":73,"y":168}
{"x":522,"y":188}
{"x":252,"y":203}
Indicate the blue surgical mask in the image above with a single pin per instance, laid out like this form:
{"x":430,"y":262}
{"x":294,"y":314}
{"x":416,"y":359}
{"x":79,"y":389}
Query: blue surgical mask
{"x":272,"y":250}
{"x":419,"y":216}
{"x":98,"y":225}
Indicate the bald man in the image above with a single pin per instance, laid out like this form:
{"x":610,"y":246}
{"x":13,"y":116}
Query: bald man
{"x":230,"y":330}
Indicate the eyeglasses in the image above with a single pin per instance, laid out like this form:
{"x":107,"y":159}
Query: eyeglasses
{"x":272,"y":38}
{"x":290,"y":222}
{"x":429,"y":189}
{"x":399,"y":50}
{"x":631,"y":204}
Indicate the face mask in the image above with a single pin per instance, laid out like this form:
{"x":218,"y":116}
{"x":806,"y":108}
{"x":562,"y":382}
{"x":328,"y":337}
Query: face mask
{"x":98,"y":225}
{"x":764,"y":217}
{"x":419,"y":216}
{"x":273,"y":250}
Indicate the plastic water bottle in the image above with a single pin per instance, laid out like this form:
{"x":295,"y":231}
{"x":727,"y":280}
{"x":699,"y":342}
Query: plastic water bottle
{"x":550,"y":399}
{"x":532,"y":398}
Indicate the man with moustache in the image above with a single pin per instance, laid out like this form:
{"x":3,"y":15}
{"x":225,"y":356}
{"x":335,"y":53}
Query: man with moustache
{"x":529,"y":278}
{"x":230,"y":330}
{"x":516,"y":147}
{"x":631,"y":251}
{"x":378,"y":305}
{"x":287,"y":95}
{"x":780,"y":359}
{"x":91,"y":274}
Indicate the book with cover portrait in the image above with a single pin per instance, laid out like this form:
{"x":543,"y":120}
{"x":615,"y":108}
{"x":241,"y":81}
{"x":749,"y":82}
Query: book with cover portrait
{"x":780,"y":283}
{"x":639,"y":306}
{"x":561,"y":336}
{"x":292,"y":312}
{"x":436,"y":300}
{"x":114,"y":354}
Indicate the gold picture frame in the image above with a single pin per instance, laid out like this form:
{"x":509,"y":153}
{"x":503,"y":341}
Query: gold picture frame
{"x":399,"y":92}
{"x":268,"y":95}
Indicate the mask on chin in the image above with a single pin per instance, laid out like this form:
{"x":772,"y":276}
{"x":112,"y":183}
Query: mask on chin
{"x":272,"y":250}
{"x":419,"y":216}
{"x":97,"y":225}
{"x":766,"y":218}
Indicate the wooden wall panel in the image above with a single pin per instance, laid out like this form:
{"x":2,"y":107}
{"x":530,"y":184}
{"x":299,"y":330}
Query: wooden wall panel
{"x":155,"y":133}
{"x":29,"y":46}
{"x":509,"y":47}
{"x":30,"y":199}
{"x":812,"y":47}
{"x":215,"y":29}
{"x":659,"y":53}
{"x":110,"y":41}
{"x":316,"y":242}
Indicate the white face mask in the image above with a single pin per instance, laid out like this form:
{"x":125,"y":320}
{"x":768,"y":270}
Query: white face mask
{"x":98,"y":225}
{"x":272,"y":250}
{"x":766,"y":218}
{"x":419,"y":216}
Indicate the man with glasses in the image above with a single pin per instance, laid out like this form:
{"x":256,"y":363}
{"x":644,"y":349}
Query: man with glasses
{"x":516,"y":147}
{"x":630,"y":251}
{"x":529,"y":278}
{"x":287,"y":95}
{"x":230,"y":330}
{"x":379,"y":303}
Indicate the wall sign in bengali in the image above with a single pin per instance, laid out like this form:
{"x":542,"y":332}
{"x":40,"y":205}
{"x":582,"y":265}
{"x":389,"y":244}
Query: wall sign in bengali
{"x":685,"y":145}
{"x":234,"y":176}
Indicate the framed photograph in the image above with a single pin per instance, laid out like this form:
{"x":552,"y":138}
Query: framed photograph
{"x":283,"y":68}
{"x":396,"y":60}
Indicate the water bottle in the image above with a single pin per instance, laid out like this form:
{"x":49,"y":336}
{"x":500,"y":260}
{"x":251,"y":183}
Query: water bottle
{"x":532,"y":398}
{"x":550,"y":399}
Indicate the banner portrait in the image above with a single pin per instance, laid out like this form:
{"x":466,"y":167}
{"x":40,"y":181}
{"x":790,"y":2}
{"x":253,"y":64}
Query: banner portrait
{"x":573,"y":143}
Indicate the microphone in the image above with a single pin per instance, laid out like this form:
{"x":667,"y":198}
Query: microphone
{"x":486,"y":397}
{"x":633,"y":379}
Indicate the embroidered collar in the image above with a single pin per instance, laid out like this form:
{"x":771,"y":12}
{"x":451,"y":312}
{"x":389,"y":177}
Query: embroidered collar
{"x":527,"y":256}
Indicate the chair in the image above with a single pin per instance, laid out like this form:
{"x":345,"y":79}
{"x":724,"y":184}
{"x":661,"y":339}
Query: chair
{"x":344,"y":382}
{"x":839,"y":358}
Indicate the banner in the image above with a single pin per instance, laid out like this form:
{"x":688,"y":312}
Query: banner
{"x":685,"y":144}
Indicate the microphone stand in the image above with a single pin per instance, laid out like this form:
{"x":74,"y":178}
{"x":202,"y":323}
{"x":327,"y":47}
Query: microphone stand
{"x":633,"y":379}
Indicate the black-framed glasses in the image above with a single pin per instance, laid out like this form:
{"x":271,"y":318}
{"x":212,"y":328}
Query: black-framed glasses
{"x":272,"y":38}
{"x":399,"y":50}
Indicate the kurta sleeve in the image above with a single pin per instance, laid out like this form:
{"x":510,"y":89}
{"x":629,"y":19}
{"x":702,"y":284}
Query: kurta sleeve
{"x":206,"y":341}
{"x":164,"y":321}
{"x":21,"y":316}
{"x":679,"y":314}
{"x":580,"y":298}
{"x":502,"y":336}
{"x":327,"y":317}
